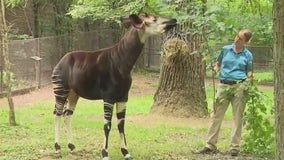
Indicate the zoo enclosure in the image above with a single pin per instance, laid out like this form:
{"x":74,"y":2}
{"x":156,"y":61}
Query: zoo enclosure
{"x":32,"y":60}
{"x":263,"y":55}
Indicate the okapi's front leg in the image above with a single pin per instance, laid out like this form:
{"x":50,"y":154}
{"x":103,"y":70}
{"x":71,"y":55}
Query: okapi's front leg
{"x":120,"y":113}
{"x":108,"y":109}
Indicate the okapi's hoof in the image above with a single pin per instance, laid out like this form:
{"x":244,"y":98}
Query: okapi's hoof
{"x":104,"y":155}
{"x":71,"y":146}
{"x":128,"y":157}
{"x":57,"y":148}
{"x":125,"y":153}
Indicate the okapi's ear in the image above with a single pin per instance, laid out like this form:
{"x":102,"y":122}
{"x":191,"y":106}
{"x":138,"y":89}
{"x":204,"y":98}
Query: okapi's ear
{"x":136,"y":21}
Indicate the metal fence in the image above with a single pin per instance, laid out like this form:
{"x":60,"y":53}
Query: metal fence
{"x":33,"y":59}
{"x":263,"y":55}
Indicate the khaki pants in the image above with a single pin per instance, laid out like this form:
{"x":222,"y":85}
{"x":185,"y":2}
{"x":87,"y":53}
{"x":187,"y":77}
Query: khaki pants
{"x":227,"y":94}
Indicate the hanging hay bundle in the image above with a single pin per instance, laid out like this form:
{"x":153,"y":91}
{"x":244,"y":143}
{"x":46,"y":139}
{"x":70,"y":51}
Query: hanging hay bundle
{"x":174,"y":50}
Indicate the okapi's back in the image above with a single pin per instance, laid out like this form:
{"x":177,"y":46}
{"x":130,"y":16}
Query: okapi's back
{"x":76,"y":59}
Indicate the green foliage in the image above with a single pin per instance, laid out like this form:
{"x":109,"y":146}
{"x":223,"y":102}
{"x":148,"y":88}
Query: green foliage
{"x":226,"y":18}
{"x":105,"y":10}
{"x":222,"y":19}
{"x":14,"y":3}
{"x":218,"y":20}
{"x":7,"y":75}
{"x":259,"y":137}
{"x":17,"y":36}
{"x":112,"y":10}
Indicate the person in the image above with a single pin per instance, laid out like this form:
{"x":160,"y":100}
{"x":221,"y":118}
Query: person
{"x":234,"y":64}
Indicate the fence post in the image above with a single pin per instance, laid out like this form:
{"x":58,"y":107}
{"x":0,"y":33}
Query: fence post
{"x":38,"y":66}
{"x":37,"y":59}
{"x":1,"y":72}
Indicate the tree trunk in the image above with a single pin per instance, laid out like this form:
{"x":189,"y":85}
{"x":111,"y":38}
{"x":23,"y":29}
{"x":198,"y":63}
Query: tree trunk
{"x":36,"y":27}
{"x":181,"y":90}
{"x":7,"y":65}
{"x":278,"y":20}
{"x":12,"y":118}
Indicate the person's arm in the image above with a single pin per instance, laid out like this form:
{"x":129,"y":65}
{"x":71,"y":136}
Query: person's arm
{"x":250,"y":70}
{"x":217,"y":65}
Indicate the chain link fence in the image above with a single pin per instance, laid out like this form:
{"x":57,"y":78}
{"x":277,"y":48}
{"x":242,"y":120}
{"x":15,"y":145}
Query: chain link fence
{"x":32,"y":60}
{"x":263,"y":55}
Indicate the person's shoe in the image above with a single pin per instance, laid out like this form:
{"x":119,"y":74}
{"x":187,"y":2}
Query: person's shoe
{"x":206,"y":150}
{"x":234,"y":152}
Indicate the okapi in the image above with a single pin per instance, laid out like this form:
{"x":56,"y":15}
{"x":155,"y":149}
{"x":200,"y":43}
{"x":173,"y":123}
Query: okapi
{"x":103,"y":74}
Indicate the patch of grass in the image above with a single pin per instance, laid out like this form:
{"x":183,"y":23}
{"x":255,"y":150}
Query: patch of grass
{"x":265,"y":78}
{"x":34,"y":136}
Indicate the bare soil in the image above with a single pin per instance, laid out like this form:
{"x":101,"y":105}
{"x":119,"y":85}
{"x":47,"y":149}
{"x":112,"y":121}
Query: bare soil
{"x":141,"y":85}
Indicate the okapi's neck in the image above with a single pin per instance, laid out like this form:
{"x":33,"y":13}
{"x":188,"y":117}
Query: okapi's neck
{"x":129,"y":48}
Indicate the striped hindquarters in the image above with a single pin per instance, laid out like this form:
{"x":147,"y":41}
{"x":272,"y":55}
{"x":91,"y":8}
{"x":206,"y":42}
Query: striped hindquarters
{"x":60,"y":93}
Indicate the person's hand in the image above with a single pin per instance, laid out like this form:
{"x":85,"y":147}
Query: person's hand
{"x":214,"y":72}
{"x":215,"y":69}
{"x":250,"y":76}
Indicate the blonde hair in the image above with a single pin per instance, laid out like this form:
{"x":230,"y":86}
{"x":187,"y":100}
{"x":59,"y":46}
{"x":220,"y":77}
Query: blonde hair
{"x":247,"y":33}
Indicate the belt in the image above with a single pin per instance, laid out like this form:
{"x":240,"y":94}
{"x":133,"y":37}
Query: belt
{"x":231,"y":82}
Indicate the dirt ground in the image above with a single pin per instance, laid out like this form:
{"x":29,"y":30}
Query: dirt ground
{"x":141,"y":85}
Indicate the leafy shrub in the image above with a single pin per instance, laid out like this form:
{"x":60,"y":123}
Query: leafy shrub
{"x":259,"y":137}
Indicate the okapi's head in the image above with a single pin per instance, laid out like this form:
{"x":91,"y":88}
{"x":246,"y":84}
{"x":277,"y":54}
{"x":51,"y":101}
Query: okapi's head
{"x":149,"y":25}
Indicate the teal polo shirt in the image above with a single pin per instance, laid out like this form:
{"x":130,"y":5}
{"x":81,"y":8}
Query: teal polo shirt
{"x":234,"y":66}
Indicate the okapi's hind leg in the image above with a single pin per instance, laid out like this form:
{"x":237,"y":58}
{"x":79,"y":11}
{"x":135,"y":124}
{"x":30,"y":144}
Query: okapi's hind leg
{"x":108,"y":111}
{"x":67,"y":113}
{"x":120,"y":114}
{"x":61,"y":94}
{"x":65,"y":108}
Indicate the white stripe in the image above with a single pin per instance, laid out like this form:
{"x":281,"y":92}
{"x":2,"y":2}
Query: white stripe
{"x":67,"y":121}
{"x":122,"y":140}
{"x":57,"y":127}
